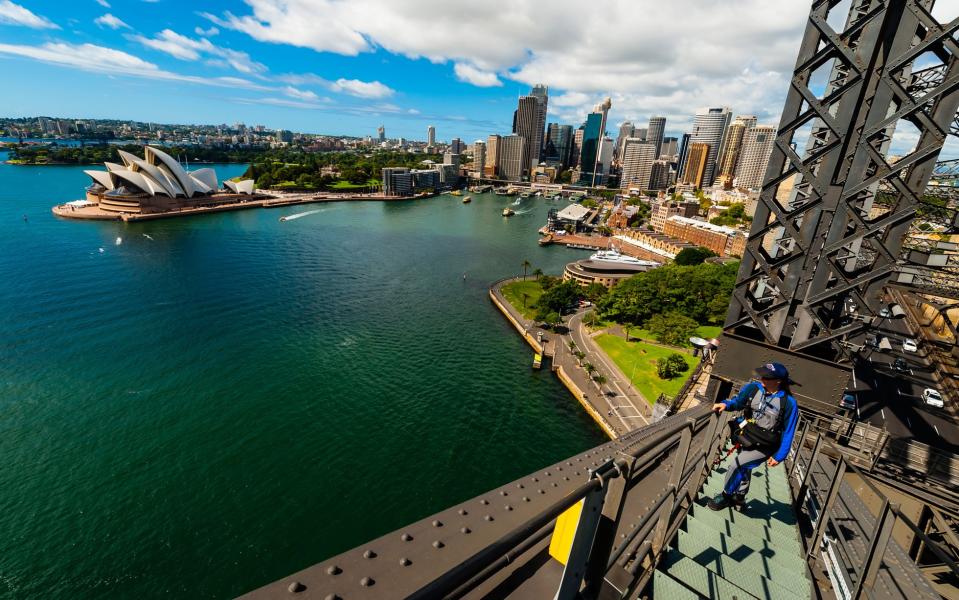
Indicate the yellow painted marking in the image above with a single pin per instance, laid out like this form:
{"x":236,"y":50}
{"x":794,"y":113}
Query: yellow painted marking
{"x":564,"y":532}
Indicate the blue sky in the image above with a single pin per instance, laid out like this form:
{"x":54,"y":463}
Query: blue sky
{"x":347,"y":66}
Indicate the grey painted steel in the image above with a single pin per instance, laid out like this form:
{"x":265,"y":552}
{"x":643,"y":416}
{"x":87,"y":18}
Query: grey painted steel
{"x":589,"y":518}
{"x":417,"y":560}
{"x":811,"y":254}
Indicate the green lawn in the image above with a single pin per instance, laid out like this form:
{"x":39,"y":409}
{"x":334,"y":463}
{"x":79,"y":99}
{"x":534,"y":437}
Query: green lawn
{"x":513,"y":292}
{"x":638,"y":361}
{"x":704,"y":331}
{"x":348,"y":187}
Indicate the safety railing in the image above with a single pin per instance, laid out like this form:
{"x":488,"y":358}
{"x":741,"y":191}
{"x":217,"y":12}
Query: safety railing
{"x":852,"y":542}
{"x":605,"y":533}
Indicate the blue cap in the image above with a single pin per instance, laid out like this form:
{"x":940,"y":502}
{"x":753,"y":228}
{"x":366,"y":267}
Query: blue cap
{"x":773,"y":371}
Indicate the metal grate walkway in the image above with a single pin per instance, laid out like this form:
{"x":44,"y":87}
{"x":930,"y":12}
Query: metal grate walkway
{"x":729,"y":554}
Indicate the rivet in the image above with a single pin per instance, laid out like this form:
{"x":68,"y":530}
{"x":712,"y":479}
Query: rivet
{"x":565,"y":478}
{"x":406,"y":537}
{"x":520,"y":485}
{"x":369,"y":554}
{"x":332,"y":597}
{"x":548,"y":474}
{"x":437,"y":523}
{"x":508,"y":507}
{"x":405,"y":562}
{"x":535,"y":480}
{"x":296,"y":587}
{"x":334,"y":570}
{"x":569,"y":464}
{"x":465,"y":530}
{"x":463,"y":512}
{"x":542,"y":491}
{"x":559,"y":468}
{"x":525,"y":499}
{"x":555,"y":484}
{"x":484,"y":502}
{"x":504,"y":493}
{"x":438,"y":544}
{"x":488,"y":517}
{"x":367,"y":581}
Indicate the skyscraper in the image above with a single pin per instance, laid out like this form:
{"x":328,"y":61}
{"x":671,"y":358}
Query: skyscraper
{"x":491,"y":169}
{"x":638,"y":158}
{"x":695,"y":172}
{"x":381,"y":133}
{"x":625,"y":132}
{"x":512,"y":153}
{"x":541,"y":93}
{"x":559,"y":141}
{"x":710,"y":128}
{"x":479,"y":157}
{"x":525,"y":123}
{"x":576,"y":149}
{"x":430,"y":136}
{"x":682,"y":156}
{"x":670,"y":147}
{"x":726,"y":167}
{"x":605,"y":160}
{"x":655,"y":131}
{"x":593,"y":131}
{"x":457,"y":146}
{"x":754,"y":158}
{"x":659,"y":180}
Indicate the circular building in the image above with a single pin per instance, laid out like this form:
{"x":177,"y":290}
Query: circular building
{"x":606,"y":267}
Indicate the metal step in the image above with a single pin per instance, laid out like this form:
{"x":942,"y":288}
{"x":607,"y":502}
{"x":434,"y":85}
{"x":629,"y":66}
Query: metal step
{"x":667,"y":588}
{"x":758,"y":521}
{"x":754,"y":553}
{"x":702,"y":580}
{"x":762,"y":486}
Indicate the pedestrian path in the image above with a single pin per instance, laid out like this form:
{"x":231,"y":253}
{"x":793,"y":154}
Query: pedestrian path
{"x":730,"y":554}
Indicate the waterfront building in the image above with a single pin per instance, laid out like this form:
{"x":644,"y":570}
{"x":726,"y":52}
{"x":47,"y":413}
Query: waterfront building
{"x":655,"y":131}
{"x":593,"y":133}
{"x":724,"y":241}
{"x":543,"y":174}
{"x":491,"y":168}
{"x":573,"y":215}
{"x":155,"y":183}
{"x":402,"y":181}
{"x":662,"y":209}
{"x":381,"y":133}
{"x":431,"y":136}
{"x":525,"y":121}
{"x":729,"y":156}
{"x":654,"y":243}
{"x":758,"y":145}
{"x":510,"y":157}
{"x":451,"y":158}
{"x":607,"y":268}
{"x":479,"y":158}
{"x":638,"y":158}
{"x":710,"y":128}
{"x":696,"y":163}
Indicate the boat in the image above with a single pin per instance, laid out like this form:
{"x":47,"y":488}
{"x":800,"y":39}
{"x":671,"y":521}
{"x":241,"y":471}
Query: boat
{"x":614,"y":256}
{"x":504,"y":191}
{"x":508,"y":212}
{"x":457,"y":192}
{"x":525,"y":195}
{"x":467,"y":199}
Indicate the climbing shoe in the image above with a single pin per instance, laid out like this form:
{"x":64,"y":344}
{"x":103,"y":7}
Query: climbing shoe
{"x":720,"y":502}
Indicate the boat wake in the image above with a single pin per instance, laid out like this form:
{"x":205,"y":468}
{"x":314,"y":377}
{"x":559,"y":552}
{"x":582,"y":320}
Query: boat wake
{"x":523,"y":212}
{"x":518,"y":202}
{"x":298,"y":215}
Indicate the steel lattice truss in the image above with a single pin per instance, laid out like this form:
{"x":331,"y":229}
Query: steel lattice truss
{"x":829,"y":229}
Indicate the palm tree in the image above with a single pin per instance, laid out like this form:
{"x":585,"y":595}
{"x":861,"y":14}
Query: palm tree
{"x":589,"y":368}
{"x":600,"y":381}
{"x":526,"y":265}
{"x":572,"y":345}
{"x":580,"y":355}
{"x":537,"y":274}
{"x":525,"y":298}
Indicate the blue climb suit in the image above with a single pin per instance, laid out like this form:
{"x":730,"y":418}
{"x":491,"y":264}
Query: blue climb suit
{"x":766,"y":408}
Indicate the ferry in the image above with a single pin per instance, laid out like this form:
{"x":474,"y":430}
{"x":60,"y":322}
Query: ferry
{"x":504,"y":191}
{"x":467,"y":199}
{"x":508,"y":212}
{"x":457,"y":192}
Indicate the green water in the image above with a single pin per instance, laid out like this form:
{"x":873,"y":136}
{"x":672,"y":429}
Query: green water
{"x":238,"y":398}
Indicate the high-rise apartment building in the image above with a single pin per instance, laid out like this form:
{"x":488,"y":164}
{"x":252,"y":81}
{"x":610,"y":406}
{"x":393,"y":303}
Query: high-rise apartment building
{"x":512,"y":153}
{"x":479,"y":157}
{"x":696,"y":161}
{"x":525,"y":123}
{"x":491,"y":168}
{"x":729,"y":156}
{"x":625,"y":132}
{"x":430,"y":136}
{"x":670,"y":147}
{"x":576,"y":150}
{"x":638,"y":159}
{"x":593,"y":131}
{"x":655,"y":132}
{"x":754,"y":158}
{"x":381,"y":133}
{"x":683,"y":154}
{"x":457,"y":146}
{"x":659,"y":176}
{"x":605,"y":159}
{"x":541,"y":93}
{"x":710,"y":128}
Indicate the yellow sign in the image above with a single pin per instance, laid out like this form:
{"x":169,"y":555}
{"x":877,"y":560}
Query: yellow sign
{"x":564,"y":532}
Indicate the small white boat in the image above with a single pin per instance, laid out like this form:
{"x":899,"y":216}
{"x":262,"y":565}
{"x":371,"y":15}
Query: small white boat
{"x":467,"y":199}
{"x":508,"y":212}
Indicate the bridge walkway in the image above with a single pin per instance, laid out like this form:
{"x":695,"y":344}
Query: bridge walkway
{"x":753,"y":553}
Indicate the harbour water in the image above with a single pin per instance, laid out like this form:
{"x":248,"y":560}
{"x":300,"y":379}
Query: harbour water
{"x":219,"y":401}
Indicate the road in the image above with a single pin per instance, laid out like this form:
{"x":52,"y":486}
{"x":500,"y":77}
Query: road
{"x":896,"y":402}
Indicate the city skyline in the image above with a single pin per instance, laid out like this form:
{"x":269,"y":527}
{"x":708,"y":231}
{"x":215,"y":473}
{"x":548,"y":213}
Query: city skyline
{"x":253,"y":62}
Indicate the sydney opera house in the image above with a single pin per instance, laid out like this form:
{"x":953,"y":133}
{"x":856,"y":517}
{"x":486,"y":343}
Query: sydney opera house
{"x":157,"y":183}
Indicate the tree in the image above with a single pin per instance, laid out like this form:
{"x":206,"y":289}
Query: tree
{"x":600,"y":380}
{"x":671,"y":366}
{"x":525,"y":298}
{"x":551,"y":319}
{"x":537,"y":273}
{"x":672,"y":328}
{"x":526,"y":265}
{"x":595,"y":292}
{"x":580,"y":355}
{"x":572,"y":345}
{"x":589,"y":368}
{"x":548,"y":281}
{"x":560,"y":296}
{"x":589,"y":203}
{"x":693,"y":256}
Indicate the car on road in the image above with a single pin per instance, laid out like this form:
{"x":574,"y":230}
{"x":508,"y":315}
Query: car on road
{"x":910,"y":346}
{"x":900,"y":364}
{"x":932,"y":397}
{"x":848,"y":402}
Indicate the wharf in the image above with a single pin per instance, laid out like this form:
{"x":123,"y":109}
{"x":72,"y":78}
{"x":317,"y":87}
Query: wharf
{"x":95,"y":213}
{"x":596,"y":242}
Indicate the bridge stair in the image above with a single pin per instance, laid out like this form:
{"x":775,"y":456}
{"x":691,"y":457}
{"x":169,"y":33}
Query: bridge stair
{"x":730,"y":554}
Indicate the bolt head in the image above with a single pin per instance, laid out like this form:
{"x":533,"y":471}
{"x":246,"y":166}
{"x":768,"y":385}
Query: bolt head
{"x":369,"y":554}
{"x":367,"y":582}
{"x":333,"y":570}
{"x":296,"y":587}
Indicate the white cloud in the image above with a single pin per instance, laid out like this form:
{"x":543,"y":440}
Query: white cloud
{"x":103,"y":3}
{"x":212,"y":31}
{"x":186,"y":48}
{"x":110,"y":21}
{"x":478,"y":77}
{"x":361,"y":89}
{"x":299,"y":94}
{"x":14,"y":14}
{"x":679,"y":63}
